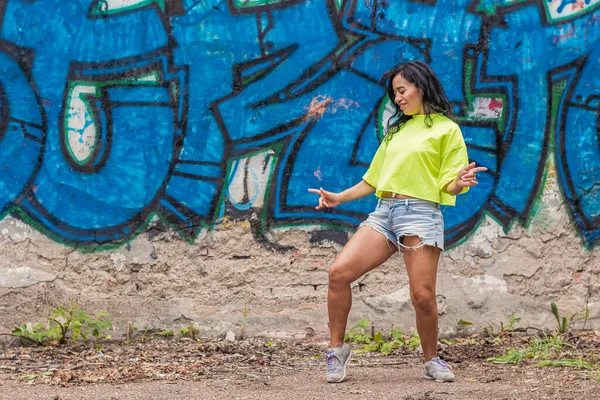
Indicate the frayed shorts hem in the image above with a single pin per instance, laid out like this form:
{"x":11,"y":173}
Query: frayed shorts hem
{"x":397,"y":241}
{"x":382,"y":231}
{"x":396,"y":219}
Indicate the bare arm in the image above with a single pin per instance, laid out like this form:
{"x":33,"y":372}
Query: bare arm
{"x":361,"y":189}
{"x":330,"y":199}
{"x":466,"y":177}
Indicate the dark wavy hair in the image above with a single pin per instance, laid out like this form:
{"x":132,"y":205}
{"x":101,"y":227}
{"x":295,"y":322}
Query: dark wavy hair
{"x":434,"y":97}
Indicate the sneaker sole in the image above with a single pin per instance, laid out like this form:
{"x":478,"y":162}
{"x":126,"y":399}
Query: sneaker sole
{"x":343,"y":376}
{"x":437,"y":380}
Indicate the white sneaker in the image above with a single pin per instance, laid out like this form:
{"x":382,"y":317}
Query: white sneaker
{"x":337,"y":359}
{"x":438,"y":370}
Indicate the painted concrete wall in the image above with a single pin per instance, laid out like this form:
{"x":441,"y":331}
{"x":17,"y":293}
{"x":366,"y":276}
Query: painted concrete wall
{"x":155,"y":156}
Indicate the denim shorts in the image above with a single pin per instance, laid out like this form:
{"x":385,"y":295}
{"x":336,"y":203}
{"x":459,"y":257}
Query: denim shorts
{"x":396,"y":218}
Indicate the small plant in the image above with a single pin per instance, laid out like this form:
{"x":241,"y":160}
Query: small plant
{"x":190,"y":331}
{"x":562,"y":326}
{"x":414,"y":342}
{"x":378,"y":344}
{"x":64,"y":322}
{"x":148,"y":329}
{"x":563,"y":323}
{"x":512,"y":356}
{"x":79,"y":322}
{"x":165,"y":333}
{"x":550,"y":351}
{"x":488,"y":330}
{"x":512,"y":321}
{"x":38,"y":332}
{"x":374,"y":342}
{"x":539,"y":348}
{"x":510,"y":326}
{"x":397,"y":336}
{"x":357,"y":333}
{"x":575,"y":363}
{"x":462,"y":324}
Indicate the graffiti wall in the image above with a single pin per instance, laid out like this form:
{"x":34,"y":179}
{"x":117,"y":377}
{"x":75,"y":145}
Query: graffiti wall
{"x":114,"y":113}
{"x":182,"y":135}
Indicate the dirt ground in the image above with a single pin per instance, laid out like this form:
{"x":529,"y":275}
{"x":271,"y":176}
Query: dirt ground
{"x":160,"y":368}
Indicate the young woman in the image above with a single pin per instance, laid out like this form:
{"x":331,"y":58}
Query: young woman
{"x":421,"y":164}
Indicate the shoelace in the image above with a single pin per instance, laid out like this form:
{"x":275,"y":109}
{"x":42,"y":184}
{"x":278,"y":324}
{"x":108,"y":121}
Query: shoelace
{"x":330,"y":361}
{"x":438,"y":361}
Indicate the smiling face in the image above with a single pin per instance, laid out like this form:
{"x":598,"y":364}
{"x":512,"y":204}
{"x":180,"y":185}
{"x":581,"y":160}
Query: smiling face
{"x":408,"y":97}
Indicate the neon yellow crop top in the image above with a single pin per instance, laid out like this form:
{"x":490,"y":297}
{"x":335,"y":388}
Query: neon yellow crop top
{"x":420,"y":161}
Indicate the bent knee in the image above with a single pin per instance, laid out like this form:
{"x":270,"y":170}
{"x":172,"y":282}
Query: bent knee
{"x":423,"y":300}
{"x":339,"y":274}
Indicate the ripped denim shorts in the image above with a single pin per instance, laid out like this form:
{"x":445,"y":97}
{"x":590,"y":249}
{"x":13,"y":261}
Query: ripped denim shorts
{"x":396,"y":218}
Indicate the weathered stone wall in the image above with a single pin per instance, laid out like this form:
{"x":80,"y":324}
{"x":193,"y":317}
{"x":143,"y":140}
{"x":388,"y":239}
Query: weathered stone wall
{"x":155,"y":157}
{"x":159,"y":280}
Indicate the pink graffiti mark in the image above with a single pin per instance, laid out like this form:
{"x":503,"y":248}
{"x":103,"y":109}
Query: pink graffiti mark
{"x":578,"y":5}
{"x":343,"y":103}
{"x":560,"y":38}
{"x":318,"y":174}
{"x":320,"y":104}
{"x":495,"y":104}
{"x":46,"y":102}
{"x":317,"y":107}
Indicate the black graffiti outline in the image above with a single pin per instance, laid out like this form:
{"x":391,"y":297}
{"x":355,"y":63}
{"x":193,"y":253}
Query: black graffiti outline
{"x":567,"y":187}
{"x":24,"y":58}
{"x":502,"y":10}
{"x":66,"y":234}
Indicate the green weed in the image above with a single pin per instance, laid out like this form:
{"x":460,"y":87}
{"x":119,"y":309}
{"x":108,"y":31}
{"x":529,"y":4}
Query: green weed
{"x":575,"y":363}
{"x":374,"y":342}
{"x":510,"y":326}
{"x":357,"y":333}
{"x":550,"y":351}
{"x":462,"y":324}
{"x":66,"y":322}
{"x":512,"y":321}
{"x":563,"y":323}
{"x":190,"y":330}
{"x":414,"y":342}
{"x":540,"y":348}
{"x":512,"y":356}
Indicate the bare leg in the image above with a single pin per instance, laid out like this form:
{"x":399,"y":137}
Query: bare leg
{"x":421,"y":264}
{"x":366,"y":250}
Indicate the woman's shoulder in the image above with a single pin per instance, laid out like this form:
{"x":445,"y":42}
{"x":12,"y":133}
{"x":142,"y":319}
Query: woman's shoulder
{"x":444,"y":126}
{"x":444,"y":122}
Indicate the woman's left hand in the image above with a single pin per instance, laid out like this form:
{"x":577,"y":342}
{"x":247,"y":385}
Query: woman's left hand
{"x":467,"y":176}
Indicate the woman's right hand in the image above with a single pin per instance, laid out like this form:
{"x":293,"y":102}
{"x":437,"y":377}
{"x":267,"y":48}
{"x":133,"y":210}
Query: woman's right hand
{"x":326,"y":199}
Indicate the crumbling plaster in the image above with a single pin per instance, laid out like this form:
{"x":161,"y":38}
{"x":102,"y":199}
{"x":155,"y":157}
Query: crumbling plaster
{"x":160,"y":280}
